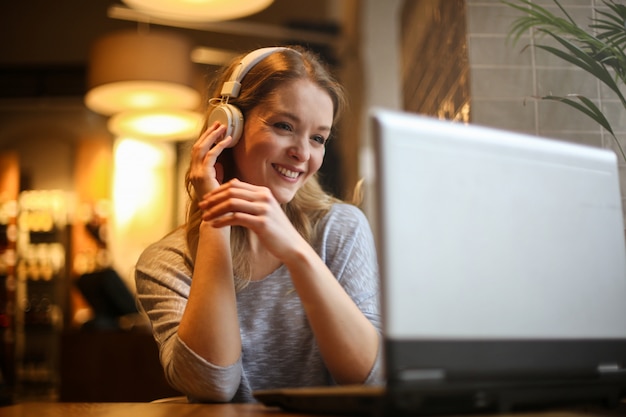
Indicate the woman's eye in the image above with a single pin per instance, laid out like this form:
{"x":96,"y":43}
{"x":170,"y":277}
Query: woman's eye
{"x":284,"y":126}
{"x":319,"y":139}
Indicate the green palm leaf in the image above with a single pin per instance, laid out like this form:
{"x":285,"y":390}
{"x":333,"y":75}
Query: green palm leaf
{"x":582,"y":60}
{"x":599,"y":52}
{"x":589,"y":108}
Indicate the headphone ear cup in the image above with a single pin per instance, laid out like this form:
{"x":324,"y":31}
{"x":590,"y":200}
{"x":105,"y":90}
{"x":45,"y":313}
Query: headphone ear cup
{"x":231,"y":117}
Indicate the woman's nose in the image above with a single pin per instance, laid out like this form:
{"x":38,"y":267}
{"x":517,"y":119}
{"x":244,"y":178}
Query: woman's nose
{"x":300,"y":150}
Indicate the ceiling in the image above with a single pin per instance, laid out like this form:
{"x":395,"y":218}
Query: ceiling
{"x":45,"y":44}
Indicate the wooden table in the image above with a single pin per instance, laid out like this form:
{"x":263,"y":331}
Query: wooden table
{"x":60,"y":409}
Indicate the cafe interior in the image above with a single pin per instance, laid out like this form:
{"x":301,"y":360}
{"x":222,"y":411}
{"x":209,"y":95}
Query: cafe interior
{"x":85,"y":186}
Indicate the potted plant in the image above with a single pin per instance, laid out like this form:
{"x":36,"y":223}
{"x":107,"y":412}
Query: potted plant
{"x":598,"y":50}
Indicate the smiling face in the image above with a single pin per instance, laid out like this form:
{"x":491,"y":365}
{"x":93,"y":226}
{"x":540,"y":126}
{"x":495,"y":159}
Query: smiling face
{"x":284,"y":138}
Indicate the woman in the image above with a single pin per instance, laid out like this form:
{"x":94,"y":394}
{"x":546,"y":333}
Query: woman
{"x":272,"y":282}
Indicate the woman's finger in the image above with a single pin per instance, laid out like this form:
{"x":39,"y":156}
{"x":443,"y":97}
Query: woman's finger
{"x":233,"y":189}
{"x":204,"y":142}
{"x":203,"y":173}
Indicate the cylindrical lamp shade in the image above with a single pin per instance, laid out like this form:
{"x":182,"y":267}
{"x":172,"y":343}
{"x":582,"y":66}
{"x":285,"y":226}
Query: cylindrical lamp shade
{"x":198,"y":10}
{"x":158,"y":124}
{"x":130,"y":70}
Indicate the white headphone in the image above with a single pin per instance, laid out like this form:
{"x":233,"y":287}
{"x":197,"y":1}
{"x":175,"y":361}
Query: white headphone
{"x":228,"y":114}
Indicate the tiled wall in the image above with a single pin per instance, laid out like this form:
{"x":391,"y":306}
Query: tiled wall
{"x":506,"y":78}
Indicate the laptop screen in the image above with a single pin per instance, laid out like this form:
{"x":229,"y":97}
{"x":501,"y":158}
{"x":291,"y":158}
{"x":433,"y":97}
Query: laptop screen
{"x":487,"y":234}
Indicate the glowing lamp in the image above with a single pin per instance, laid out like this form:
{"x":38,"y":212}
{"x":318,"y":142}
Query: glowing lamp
{"x":159,"y":124}
{"x":198,"y":10}
{"x":130,"y":70}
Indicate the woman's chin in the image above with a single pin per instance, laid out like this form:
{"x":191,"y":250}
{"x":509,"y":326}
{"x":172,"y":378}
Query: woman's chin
{"x":283,"y":196}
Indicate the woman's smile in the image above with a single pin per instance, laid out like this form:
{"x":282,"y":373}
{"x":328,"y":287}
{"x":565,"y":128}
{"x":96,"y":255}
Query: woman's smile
{"x":286,"y":172}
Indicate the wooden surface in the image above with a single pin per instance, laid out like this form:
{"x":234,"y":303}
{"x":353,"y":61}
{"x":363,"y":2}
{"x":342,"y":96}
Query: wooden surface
{"x":210,"y":410}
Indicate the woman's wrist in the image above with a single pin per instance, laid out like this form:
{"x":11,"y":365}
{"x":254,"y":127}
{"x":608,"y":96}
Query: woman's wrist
{"x":206,"y":227}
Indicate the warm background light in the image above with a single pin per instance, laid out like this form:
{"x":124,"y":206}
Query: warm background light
{"x":211,"y":56}
{"x":130,"y":70}
{"x":160,"y":124}
{"x":111,"y":98}
{"x":143,"y":199}
{"x":199,"y":10}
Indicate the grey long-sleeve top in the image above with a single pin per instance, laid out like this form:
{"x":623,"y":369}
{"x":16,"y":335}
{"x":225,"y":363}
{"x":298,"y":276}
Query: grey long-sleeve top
{"x":278,"y":346}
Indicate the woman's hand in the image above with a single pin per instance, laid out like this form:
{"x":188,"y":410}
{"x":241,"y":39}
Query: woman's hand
{"x":237,"y":203}
{"x":205,"y":173}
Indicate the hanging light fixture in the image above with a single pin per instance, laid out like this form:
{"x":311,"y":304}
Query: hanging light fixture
{"x":158,"y":124}
{"x":144,"y":80}
{"x":132,"y":70}
{"x":199,"y":10}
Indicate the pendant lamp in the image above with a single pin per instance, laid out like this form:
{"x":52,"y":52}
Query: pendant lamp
{"x":157,"y":124}
{"x":198,"y":10}
{"x":134,"y":70}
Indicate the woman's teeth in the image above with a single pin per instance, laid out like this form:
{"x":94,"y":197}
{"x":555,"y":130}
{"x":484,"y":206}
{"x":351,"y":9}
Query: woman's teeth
{"x":287,"y":173}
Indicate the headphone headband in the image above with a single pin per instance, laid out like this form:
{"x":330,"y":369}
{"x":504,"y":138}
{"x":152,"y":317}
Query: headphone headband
{"x":232,"y":87}
{"x":228,"y":114}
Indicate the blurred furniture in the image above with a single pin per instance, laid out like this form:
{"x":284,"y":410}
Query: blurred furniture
{"x":111,"y":366}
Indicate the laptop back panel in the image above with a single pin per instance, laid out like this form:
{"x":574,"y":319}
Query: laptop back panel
{"x":502,"y":257}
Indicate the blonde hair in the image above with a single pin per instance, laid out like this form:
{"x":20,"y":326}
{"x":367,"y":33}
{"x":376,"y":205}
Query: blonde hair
{"x":310,"y":203}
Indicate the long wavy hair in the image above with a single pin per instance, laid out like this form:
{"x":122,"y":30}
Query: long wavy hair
{"x":310,"y":202}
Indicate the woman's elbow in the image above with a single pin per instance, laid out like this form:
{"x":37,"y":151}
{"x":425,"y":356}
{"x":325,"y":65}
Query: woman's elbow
{"x":203,"y":389}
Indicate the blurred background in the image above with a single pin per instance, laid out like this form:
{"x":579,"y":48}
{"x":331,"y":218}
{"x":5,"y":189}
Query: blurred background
{"x":80,"y":197}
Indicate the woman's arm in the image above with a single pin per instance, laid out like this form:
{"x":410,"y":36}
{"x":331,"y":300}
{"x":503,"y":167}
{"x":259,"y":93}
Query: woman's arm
{"x":209,"y":325}
{"x":347,"y":339}
{"x":163,"y":278}
{"x":346,"y":246}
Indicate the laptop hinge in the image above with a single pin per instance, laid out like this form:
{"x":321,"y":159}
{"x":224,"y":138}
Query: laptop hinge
{"x":422,"y":375}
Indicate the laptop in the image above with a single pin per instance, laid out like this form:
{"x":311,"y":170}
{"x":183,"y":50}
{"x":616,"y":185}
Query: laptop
{"x":503,"y":272}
